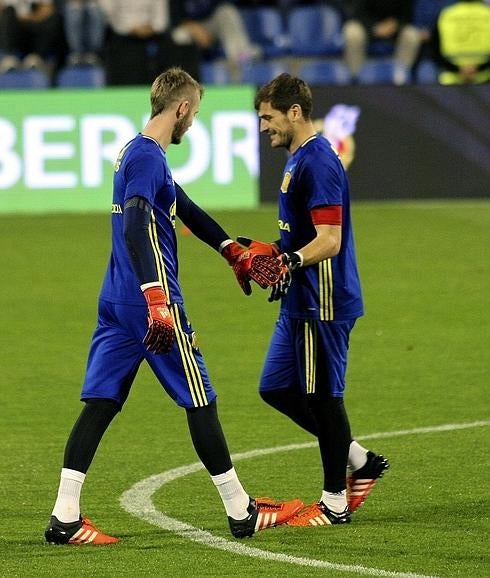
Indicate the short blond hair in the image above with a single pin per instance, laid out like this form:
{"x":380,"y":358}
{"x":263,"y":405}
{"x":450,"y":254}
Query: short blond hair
{"x":172,"y":86}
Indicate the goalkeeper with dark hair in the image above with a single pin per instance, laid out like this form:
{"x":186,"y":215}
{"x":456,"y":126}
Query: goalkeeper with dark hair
{"x":141,"y":317}
{"x":304,"y":371}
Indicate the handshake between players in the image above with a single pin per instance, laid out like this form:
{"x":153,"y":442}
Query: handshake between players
{"x":262,"y":263}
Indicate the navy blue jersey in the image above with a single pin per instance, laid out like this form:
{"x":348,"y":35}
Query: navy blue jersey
{"x":141,"y":170}
{"x":330,"y":290}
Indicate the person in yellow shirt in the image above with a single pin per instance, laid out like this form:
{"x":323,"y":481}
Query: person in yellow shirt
{"x":462,"y":43}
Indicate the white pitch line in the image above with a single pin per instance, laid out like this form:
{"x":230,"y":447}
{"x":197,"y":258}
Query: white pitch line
{"x":137,"y":501}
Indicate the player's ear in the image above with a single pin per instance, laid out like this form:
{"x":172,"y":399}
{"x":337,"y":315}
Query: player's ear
{"x":295,"y":111}
{"x":182,"y":109}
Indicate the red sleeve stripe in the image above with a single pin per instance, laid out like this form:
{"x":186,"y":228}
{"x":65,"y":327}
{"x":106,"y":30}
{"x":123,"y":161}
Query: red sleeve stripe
{"x":327,"y":215}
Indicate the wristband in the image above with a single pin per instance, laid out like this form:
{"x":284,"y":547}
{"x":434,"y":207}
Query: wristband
{"x":293,"y":260}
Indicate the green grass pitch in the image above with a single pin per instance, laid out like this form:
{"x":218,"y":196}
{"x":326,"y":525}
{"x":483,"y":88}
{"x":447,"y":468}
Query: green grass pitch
{"x":419,"y":358}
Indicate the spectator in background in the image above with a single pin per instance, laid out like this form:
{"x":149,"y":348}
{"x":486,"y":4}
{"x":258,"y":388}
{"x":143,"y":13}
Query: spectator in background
{"x":371,"y":20}
{"x":139,"y":43}
{"x":462,"y":43}
{"x":30,"y":34}
{"x":84,"y":26}
{"x":209,"y":23}
{"x":425,"y":15}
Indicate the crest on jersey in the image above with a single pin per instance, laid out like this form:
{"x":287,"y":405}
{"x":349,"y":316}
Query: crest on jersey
{"x":285,"y":182}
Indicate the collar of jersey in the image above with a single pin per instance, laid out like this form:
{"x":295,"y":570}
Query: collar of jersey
{"x":151,"y":138}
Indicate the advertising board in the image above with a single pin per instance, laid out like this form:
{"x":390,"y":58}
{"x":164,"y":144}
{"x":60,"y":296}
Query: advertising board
{"x":58,"y":147}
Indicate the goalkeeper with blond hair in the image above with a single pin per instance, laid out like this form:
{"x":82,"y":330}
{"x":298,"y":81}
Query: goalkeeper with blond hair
{"x":141,"y":317}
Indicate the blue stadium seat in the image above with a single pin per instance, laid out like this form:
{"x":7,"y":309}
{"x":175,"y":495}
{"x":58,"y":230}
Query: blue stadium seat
{"x":265,"y":28}
{"x":86,"y":76}
{"x":314,"y":30}
{"x":325,"y":72}
{"x":380,"y":47}
{"x":426,"y":12}
{"x":383,"y":71}
{"x":259,"y":73}
{"x":427,"y":72}
{"x":215,"y":72}
{"x":24,"y":79}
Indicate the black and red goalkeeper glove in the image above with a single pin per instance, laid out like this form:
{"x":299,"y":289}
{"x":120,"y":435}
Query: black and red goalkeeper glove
{"x":254,"y":264}
{"x":290,"y":261}
{"x":161,"y":332}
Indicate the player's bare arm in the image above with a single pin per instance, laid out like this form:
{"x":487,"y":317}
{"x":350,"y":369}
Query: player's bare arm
{"x":325,"y":245}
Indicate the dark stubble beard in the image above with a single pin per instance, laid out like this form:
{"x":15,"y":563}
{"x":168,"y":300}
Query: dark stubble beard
{"x":180,"y":129}
{"x":285,"y":140}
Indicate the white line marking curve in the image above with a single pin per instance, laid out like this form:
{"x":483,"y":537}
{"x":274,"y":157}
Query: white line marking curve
{"x":137,"y":501}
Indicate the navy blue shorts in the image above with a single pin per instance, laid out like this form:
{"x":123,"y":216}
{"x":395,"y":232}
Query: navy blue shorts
{"x":308,"y":354}
{"x":117,"y":351}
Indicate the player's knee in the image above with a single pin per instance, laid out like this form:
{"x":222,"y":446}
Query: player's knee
{"x":324,"y":400}
{"x":209,"y":408}
{"x":271,"y":397}
{"x":105,"y":406}
{"x":202,"y":416}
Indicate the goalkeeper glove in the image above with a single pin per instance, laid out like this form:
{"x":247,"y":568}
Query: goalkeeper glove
{"x":265,"y":270}
{"x":232,"y":253}
{"x":161,"y":332}
{"x":290,"y":261}
{"x":261,"y":248}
